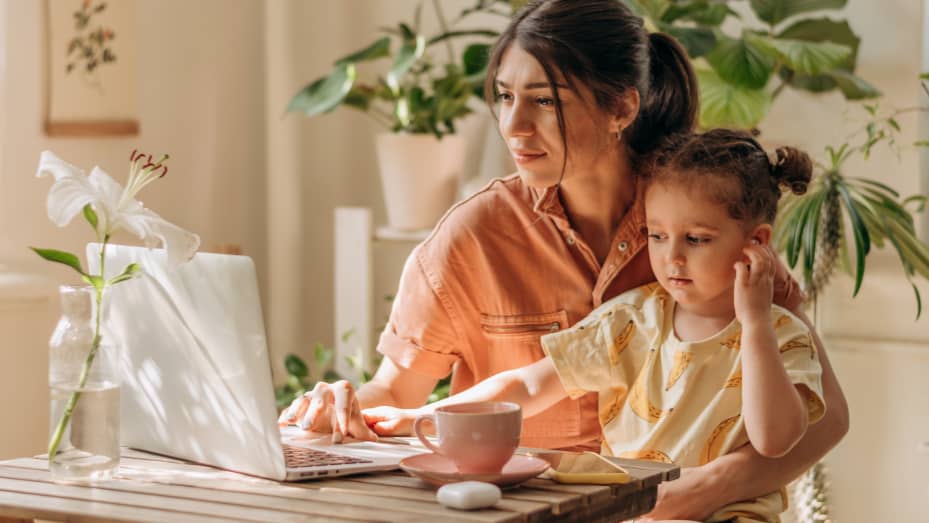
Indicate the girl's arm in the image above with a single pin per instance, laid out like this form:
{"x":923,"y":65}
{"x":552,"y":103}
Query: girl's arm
{"x":535,"y":387}
{"x":775,"y":415}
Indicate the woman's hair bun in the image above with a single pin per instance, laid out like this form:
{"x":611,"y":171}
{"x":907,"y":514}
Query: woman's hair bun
{"x":791,"y":168}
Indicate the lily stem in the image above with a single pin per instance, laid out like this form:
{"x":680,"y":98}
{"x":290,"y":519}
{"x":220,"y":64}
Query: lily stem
{"x":85,"y":369}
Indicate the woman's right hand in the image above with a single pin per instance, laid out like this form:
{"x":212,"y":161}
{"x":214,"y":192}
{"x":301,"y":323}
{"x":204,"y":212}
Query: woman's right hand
{"x":329,"y":407}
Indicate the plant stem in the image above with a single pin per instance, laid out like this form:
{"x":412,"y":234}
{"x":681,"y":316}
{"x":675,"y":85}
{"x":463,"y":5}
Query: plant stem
{"x":444,"y":25}
{"x":85,"y":369}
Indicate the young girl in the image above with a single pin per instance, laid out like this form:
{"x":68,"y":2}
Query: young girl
{"x":701,"y":362}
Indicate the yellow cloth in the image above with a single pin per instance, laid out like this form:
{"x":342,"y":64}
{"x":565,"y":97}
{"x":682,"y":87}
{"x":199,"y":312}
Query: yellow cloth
{"x":667,"y":400}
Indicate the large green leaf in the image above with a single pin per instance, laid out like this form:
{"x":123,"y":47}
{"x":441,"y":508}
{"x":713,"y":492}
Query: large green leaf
{"x":741,"y":62}
{"x":408,"y":55}
{"x":698,"y":41}
{"x":378,"y":49}
{"x":809,"y":58}
{"x":324,"y":94}
{"x":825,"y":30}
{"x":776,"y":11}
{"x":726,"y":105}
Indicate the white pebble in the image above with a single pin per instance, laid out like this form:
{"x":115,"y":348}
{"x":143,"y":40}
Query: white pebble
{"x":469,"y":495}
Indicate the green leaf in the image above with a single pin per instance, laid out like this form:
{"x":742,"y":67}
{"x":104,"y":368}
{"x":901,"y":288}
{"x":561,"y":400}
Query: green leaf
{"x":378,"y":49}
{"x":921,"y":143}
{"x":698,"y":41}
{"x":331,"y":375}
{"x":324,"y":94}
{"x":853,"y":87}
{"x":809,"y":236}
{"x":776,"y":11}
{"x":810,"y":58}
{"x":726,"y":105}
{"x":874,"y":183}
{"x":862,"y":240}
{"x":408,"y":55}
{"x":475,"y":58}
{"x":702,"y":12}
{"x":825,"y":30}
{"x":347,"y":335}
{"x":741,"y":62}
{"x":65,"y":258}
{"x":322,"y":354}
{"x":924,"y":76}
{"x":128,"y":273}
{"x":90,"y":216}
{"x":296,"y":366}
{"x":655,"y":9}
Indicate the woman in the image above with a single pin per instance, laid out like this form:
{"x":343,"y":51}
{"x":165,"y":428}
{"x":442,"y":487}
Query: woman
{"x":581,"y":92}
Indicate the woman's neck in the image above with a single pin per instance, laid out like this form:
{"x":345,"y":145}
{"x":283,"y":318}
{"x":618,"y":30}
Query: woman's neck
{"x":597,"y":200}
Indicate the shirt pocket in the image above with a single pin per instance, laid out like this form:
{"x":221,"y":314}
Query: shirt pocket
{"x":514,"y":338}
{"x":513,"y":342}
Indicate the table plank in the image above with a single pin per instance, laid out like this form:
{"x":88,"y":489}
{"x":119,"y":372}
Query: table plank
{"x":350,"y":505}
{"x":31,"y":506}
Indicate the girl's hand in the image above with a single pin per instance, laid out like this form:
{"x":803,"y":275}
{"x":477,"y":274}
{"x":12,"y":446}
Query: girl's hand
{"x":754,"y":285}
{"x":329,"y":408}
{"x":390,"y":421}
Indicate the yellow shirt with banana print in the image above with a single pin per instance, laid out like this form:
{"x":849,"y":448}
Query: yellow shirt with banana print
{"x":668,"y":400}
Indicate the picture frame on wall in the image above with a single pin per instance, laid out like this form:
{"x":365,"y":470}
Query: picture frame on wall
{"x":91,"y":77}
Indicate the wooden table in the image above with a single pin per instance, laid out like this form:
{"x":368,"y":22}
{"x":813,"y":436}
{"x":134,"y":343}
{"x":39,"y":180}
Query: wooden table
{"x":152,"y":488}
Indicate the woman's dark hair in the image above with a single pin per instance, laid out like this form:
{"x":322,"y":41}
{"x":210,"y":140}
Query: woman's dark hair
{"x":603,"y":46}
{"x":733,"y":169}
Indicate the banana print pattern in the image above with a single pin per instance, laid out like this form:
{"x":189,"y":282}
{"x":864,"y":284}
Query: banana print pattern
{"x":800,"y":342}
{"x":647,"y":454}
{"x":621,"y":342}
{"x":735,"y":380}
{"x":734,"y":342}
{"x":612,"y":407}
{"x":781,"y":321}
{"x":640,"y":405}
{"x":681,"y":361}
{"x":713,"y":447}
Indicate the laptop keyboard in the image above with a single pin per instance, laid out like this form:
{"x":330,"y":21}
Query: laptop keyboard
{"x":299,"y":457}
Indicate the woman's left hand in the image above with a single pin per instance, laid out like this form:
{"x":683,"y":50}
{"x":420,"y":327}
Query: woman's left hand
{"x":754,"y":284}
{"x":682,"y":498}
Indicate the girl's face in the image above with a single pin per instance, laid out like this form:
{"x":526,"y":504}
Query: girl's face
{"x":529,"y":124}
{"x":693,"y":245}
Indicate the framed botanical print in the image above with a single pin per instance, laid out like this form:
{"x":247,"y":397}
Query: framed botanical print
{"x":91,"y":76}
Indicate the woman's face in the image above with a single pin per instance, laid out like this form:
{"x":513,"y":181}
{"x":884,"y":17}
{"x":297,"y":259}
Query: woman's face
{"x":529,"y":124}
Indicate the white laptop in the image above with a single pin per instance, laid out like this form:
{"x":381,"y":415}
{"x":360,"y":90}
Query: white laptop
{"x":196,"y":373}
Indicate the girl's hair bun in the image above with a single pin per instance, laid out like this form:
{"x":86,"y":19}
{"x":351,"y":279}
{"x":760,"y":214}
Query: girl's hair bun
{"x":791,"y":168}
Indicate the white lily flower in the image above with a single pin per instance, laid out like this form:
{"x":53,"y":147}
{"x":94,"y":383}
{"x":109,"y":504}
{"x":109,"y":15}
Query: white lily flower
{"x":115,"y":206}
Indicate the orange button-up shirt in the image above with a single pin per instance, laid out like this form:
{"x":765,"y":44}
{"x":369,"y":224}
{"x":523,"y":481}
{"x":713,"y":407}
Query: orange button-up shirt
{"x":501,"y":269}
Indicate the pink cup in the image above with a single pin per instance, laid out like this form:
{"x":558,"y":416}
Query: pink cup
{"x":479,"y":438}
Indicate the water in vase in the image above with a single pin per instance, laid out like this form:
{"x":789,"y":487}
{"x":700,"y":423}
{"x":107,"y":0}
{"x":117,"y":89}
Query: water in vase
{"x":89,"y":448}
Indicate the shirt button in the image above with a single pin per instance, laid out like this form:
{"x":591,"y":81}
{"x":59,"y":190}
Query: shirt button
{"x":623,"y":246}
{"x":570,"y":240}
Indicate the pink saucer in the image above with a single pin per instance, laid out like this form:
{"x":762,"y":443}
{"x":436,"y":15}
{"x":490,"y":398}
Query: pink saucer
{"x":439,"y":470}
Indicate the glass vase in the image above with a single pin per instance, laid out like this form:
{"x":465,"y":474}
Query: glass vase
{"x":82,"y":375}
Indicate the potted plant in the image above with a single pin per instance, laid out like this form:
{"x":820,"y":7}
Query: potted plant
{"x":418,"y":101}
{"x":789,"y":49}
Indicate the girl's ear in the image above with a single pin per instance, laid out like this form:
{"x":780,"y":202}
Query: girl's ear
{"x":628,"y":109}
{"x":761,"y":235}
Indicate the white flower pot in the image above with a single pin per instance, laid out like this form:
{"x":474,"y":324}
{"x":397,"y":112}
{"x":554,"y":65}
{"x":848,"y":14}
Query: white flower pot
{"x":419,"y":175}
